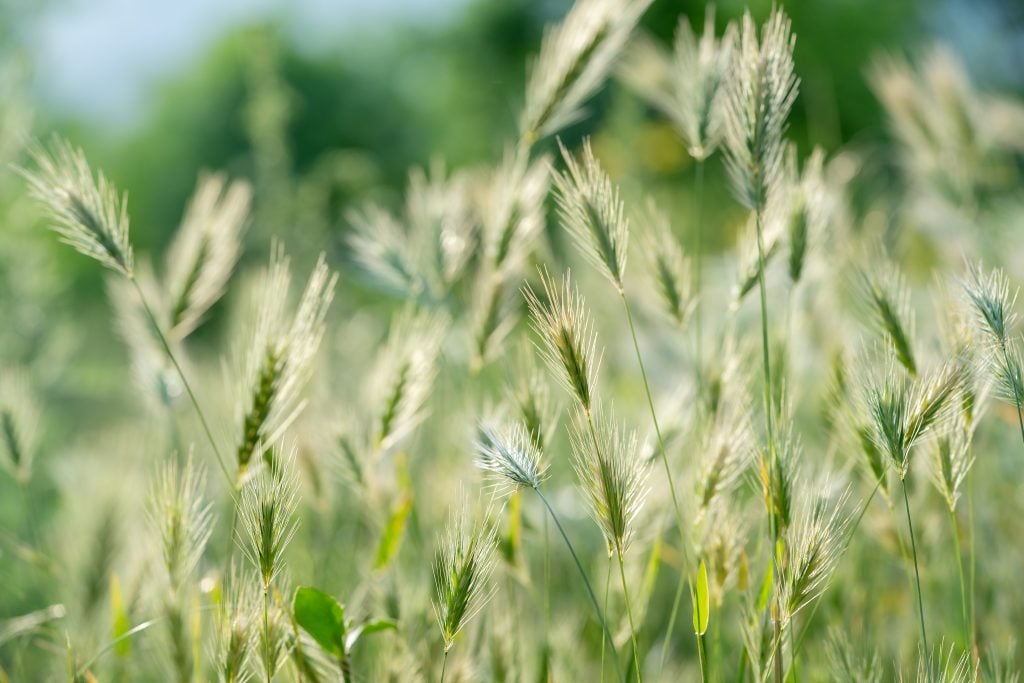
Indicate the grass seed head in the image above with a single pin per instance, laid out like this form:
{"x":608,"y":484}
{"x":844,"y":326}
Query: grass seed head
{"x":510,"y":458}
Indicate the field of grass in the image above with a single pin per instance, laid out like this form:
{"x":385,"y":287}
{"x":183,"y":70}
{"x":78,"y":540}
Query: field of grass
{"x":533,"y":421}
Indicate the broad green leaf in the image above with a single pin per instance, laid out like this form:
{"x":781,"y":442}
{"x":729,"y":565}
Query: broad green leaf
{"x":390,"y":540}
{"x":322,"y":617}
{"x":367,"y":629}
{"x":701,"y":603}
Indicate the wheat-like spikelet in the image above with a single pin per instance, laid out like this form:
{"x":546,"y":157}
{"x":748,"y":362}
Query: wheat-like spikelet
{"x":725,"y":454}
{"x":19,"y":424}
{"x":281,"y":356}
{"x":847,"y":664}
{"x":613,"y":476}
{"x":510,"y":458}
{"x":815,"y":542}
{"x":180,"y":518}
{"x":234,"y":629}
{"x":760,"y":93}
{"x":567,"y":341}
{"x":462,"y":572}
{"x":85,"y":209}
{"x":404,"y":377}
{"x":952,"y":459}
{"x":945,"y":665}
{"x":591,"y":210}
{"x":204,"y":250}
{"x":669,"y":267}
{"x":688,"y":86}
{"x":575,"y":58}
{"x":530,"y":393}
{"x":495,"y":310}
{"x":772,"y":227}
{"x":991,"y":303}
{"x":267,"y":511}
{"x":513,"y":209}
{"x":809,"y":214}
{"x":382,"y":249}
{"x":904,"y":410}
{"x":884,"y":292}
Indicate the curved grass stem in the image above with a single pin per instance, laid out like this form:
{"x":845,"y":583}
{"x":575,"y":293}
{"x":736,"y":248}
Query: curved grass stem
{"x":583,"y":576}
{"x":917,"y":571}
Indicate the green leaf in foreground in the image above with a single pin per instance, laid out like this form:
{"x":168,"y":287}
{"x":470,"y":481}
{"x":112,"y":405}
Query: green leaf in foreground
{"x":322,"y":617}
{"x":369,"y":628}
{"x":701,"y":603}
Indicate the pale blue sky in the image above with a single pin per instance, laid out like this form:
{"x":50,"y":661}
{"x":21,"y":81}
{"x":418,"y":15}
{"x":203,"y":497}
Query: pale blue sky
{"x":97,"y":57}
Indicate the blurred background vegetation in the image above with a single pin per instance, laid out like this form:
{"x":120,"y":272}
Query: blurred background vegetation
{"x":323,"y":111}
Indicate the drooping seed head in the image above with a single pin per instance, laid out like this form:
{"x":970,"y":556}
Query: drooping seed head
{"x":510,"y":458}
{"x":181,"y":519}
{"x":575,"y":58}
{"x":591,"y":210}
{"x":84,"y":208}
{"x":884,"y":292}
{"x":612,"y":471}
{"x":462,"y":572}
{"x":205,"y":250}
{"x":567,"y":341}
{"x":760,"y":93}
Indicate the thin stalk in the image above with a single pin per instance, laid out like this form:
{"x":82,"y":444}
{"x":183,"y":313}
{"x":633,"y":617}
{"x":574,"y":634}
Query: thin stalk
{"x":955,"y":528}
{"x":683,"y":577}
{"x":702,"y":658}
{"x":917,"y":572}
{"x":184,"y":380}
{"x":607,"y":585}
{"x":444,"y":664}
{"x":769,"y":425}
{"x":698,"y":270}
{"x":629,"y":613}
{"x":970,"y":521}
{"x":266,"y":632}
{"x":583,"y":575}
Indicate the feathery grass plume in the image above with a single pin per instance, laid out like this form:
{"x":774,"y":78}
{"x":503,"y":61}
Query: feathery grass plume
{"x":462,"y":571}
{"x":945,"y":666}
{"x":267,"y":510}
{"x":777,"y":472}
{"x":385,"y":253}
{"x":85,"y":209}
{"x":760,"y":93}
{"x":952,"y":459}
{"x":495,"y":312}
{"x":441,"y":222}
{"x":808,"y":214}
{"x":991,"y":300}
{"x":846,"y":665}
{"x":949,"y":133}
{"x":726,"y":451}
{"x":568,"y":342}
{"x":531,"y":396}
{"x":513,"y":209}
{"x":19,"y":424}
{"x":612,"y":474}
{"x":281,"y":356}
{"x":669,"y":267}
{"x":510,"y":458}
{"x":404,"y":376}
{"x":905,"y":410}
{"x":815,"y":542}
{"x":180,"y":518}
{"x":183,"y":523}
{"x":884,"y":292}
{"x":575,"y":58}
{"x":234,"y":630}
{"x":687,"y":86}
{"x":205,"y":250}
{"x":590,"y":208}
